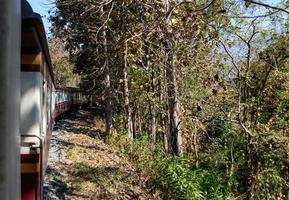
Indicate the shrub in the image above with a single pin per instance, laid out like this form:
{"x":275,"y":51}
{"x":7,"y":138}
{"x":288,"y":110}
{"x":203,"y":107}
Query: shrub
{"x":179,"y":178}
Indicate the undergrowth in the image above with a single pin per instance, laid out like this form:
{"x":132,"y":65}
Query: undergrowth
{"x":219,"y":174}
{"x":175,"y":176}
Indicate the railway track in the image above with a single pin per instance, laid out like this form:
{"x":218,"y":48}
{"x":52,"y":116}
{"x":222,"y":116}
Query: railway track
{"x":54,"y":185}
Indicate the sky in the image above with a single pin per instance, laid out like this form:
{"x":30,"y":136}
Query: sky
{"x":42,"y":7}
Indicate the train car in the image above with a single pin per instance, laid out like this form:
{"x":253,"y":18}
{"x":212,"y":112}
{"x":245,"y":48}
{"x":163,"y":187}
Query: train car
{"x":77,"y":97}
{"x":67,"y":98}
{"x":41,"y":103}
{"x":36,"y":118}
{"x":62,"y":101}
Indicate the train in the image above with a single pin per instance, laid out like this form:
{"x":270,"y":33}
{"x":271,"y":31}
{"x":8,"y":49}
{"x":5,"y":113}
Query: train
{"x":42,"y":102}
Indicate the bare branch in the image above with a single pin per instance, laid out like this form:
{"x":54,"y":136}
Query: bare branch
{"x":255,"y":16}
{"x":231,"y":57}
{"x":240,"y":120}
{"x":267,"y":6}
{"x":108,"y":16}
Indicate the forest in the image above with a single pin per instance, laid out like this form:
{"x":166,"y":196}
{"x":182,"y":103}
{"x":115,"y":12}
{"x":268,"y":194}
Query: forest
{"x":195,"y":93}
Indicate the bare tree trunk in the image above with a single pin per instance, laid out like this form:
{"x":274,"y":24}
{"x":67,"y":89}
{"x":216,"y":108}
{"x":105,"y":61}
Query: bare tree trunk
{"x":153,"y":122}
{"x":173,"y":104}
{"x":107,"y":82}
{"x":136,"y":121}
{"x":166,"y":136}
{"x":152,"y":108}
{"x":173,"y":107}
{"x":139,"y":119}
{"x":195,"y":143}
{"x":127,"y":109}
{"x":126,"y":99}
{"x":133,"y":121}
{"x":164,"y":121}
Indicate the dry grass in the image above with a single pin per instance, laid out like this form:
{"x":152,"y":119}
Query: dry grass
{"x":93,"y":170}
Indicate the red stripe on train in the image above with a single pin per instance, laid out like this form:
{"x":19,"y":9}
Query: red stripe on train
{"x":30,"y":186}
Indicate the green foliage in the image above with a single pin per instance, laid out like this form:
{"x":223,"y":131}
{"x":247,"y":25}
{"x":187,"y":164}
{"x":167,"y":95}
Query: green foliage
{"x":141,"y":151}
{"x":270,"y":184}
{"x":176,"y":176}
{"x":119,"y":125}
{"x":222,"y":159}
{"x":213,"y":184}
{"x":180,"y":179}
{"x":221,"y":171}
{"x":119,"y":140}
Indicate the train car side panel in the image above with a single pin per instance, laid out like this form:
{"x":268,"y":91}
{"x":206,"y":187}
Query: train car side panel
{"x":30,"y":103}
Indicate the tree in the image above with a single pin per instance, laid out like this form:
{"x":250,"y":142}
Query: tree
{"x":63,"y":69}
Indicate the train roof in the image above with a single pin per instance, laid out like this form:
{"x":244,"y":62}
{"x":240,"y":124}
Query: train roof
{"x":33,"y":27}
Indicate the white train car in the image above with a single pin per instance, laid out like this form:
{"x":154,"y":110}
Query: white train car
{"x":36,"y":119}
{"x":40,"y":104}
{"x":67,"y":98}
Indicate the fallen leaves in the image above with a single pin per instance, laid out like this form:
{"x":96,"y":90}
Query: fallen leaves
{"x":93,"y":170}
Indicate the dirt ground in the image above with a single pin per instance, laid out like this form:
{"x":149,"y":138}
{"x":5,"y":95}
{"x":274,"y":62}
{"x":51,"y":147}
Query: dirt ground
{"x":82,"y":166}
